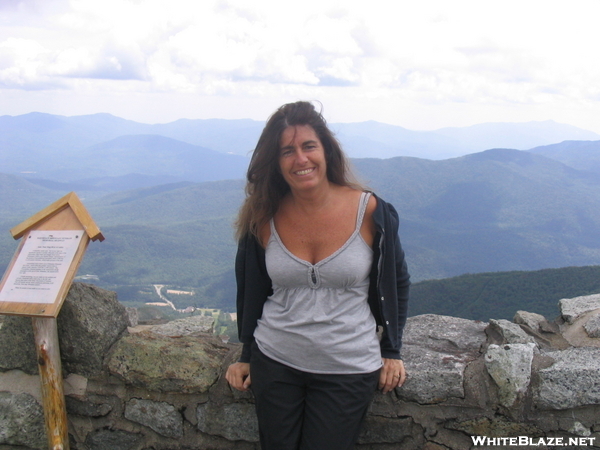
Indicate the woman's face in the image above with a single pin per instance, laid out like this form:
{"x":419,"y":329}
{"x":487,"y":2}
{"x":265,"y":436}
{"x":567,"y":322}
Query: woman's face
{"x":302,"y":158}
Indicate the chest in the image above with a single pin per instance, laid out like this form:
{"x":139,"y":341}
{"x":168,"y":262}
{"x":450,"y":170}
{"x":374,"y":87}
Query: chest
{"x":315,"y":238}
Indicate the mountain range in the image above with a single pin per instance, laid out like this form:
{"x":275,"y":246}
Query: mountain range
{"x":96,"y":151}
{"x":166,"y":221}
{"x":490,"y":211}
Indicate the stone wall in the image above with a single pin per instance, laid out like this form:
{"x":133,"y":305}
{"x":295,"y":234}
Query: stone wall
{"x":161,"y":387}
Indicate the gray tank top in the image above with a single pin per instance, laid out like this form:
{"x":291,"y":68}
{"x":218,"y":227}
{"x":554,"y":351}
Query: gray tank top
{"x":318,"y":319}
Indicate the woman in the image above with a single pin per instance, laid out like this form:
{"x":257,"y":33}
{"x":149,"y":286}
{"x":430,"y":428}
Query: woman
{"x":319,"y":267}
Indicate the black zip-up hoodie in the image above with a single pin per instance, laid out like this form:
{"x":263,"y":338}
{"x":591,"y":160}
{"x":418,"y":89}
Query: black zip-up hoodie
{"x":388,"y":289}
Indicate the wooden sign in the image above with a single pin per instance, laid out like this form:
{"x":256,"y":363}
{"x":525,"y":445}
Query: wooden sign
{"x":41,"y":272}
{"x":36,"y":284}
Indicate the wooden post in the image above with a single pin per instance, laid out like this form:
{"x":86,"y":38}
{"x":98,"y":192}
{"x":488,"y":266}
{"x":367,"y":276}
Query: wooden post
{"x":45,"y":333}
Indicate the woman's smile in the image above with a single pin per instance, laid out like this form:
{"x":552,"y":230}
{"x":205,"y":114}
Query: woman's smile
{"x":305,"y":171}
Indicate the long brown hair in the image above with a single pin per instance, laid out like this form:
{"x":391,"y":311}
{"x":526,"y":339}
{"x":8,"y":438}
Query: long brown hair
{"x":265,"y":186}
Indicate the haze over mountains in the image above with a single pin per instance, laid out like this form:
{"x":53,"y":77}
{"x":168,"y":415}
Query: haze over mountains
{"x":378,"y":140}
{"x":165,"y":195}
{"x":78,"y":148}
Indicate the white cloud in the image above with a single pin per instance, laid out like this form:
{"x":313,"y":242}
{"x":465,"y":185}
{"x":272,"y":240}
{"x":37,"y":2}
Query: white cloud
{"x":113,"y":61}
{"x":23,"y":64}
{"x":536,"y":54}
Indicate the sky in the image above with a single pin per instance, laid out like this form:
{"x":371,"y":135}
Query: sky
{"x":422,"y":65}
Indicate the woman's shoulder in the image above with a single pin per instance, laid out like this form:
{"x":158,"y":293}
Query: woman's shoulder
{"x":383,"y":211}
{"x":372,"y":205}
{"x":353,"y":195}
{"x":354,"y":192}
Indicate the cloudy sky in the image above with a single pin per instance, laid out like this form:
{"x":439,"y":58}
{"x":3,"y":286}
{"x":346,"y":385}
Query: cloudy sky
{"x":419,"y":64}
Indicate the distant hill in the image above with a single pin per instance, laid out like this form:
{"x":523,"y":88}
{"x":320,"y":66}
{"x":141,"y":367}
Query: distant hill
{"x":145,"y":155}
{"x":583,"y":155}
{"x":20,"y":198}
{"x":170,"y":204}
{"x":496,"y":210}
{"x":500,"y":295}
{"x":519,"y":136}
{"x":379,"y":140}
{"x":154,"y":155}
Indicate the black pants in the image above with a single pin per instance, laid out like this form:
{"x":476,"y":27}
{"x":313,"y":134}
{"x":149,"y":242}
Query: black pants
{"x":305,"y":411}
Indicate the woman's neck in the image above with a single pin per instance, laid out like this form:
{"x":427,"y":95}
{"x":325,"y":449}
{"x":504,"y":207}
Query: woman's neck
{"x":313,"y":201}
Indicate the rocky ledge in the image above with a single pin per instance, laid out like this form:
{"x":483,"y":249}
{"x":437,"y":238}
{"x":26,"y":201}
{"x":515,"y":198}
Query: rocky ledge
{"x":161,"y":387}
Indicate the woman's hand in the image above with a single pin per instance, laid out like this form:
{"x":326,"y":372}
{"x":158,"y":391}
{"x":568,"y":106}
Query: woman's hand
{"x":238,"y":376}
{"x":392,"y":374}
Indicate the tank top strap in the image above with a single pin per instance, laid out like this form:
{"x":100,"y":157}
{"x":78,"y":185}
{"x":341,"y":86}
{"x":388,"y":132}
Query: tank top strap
{"x":362,"y":207}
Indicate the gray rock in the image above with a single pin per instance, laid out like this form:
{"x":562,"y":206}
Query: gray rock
{"x":436,"y":351}
{"x":573,"y":380}
{"x":18,"y":349}
{"x":22,"y":421}
{"x":432,"y":376}
{"x":186,"y":364}
{"x":580,"y":429}
{"x":87,"y":408}
{"x":185,"y":326}
{"x":510,"y":367}
{"x":90,"y":321}
{"x":106,"y":439}
{"x":162,"y":417}
{"x":233,"y":421}
{"x":511,"y":333}
{"x":532,"y":320}
{"x":445,"y":334}
{"x":133,"y":316}
{"x":547,"y":334}
{"x":18,"y":382}
{"x":576,"y":333}
{"x":592,"y":326}
{"x":385,"y":430}
{"x":571,"y":308}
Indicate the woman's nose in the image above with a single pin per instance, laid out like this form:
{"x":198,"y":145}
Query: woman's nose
{"x":301,"y":157}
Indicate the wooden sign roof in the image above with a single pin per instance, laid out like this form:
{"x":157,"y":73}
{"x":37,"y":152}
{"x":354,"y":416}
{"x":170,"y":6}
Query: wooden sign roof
{"x":71,"y":200}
